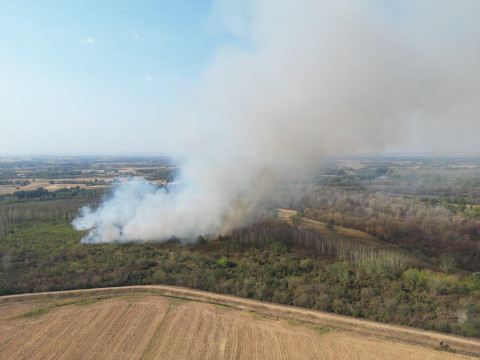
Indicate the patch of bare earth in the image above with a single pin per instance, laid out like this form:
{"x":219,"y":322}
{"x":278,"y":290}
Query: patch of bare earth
{"x":204,"y":331}
{"x":155,"y":327}
{"x":13,"y":309}
{"x":109,"y":329}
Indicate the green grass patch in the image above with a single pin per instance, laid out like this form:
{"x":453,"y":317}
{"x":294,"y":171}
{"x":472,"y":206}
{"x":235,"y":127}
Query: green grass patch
{"x":447,"y":349}
{"x":320,"y":330}
{"x":200,"y":301}
{"x":5,"y":342}
{"x":32,"y":313}
{"x":88,"y":301}
{"x":255,"y":315}
{"x":46,"y":309}
{"x":150,"y":346}
{"x":132,"y":299}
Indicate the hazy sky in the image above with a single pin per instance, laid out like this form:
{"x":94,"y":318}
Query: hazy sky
{"x":97,"y":76}
{"x":131,"y":77}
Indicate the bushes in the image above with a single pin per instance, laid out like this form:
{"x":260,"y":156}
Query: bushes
{"x":279,"y":247}
{"x":225,"y":263}
{"x":436,"y":283}
{"x":340,"y":271}
{"x":41,"y":194}
{"x":387,"y":263}
{"x":48,"y":256}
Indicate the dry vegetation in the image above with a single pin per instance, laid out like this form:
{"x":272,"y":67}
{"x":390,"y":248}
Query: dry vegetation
{"x":114,"y":324}
{"x":52,"y":174}
{"x":336,"y":232}
{"x":10,"y":189}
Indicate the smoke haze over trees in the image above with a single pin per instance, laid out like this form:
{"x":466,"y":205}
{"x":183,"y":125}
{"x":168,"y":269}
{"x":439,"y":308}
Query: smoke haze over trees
{"x":305,"y":82}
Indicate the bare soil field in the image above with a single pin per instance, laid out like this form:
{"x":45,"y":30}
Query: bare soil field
{"x":10,"y":189}
{"x":164,"y":322}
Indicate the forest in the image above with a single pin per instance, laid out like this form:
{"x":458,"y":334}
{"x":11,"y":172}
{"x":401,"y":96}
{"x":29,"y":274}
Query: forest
{"x":393,"y":240}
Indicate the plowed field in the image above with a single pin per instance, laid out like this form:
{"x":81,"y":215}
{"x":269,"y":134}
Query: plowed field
{"x":125,"y":326}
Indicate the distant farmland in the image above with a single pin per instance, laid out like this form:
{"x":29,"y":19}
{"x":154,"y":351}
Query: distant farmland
{"x":137,"y":323}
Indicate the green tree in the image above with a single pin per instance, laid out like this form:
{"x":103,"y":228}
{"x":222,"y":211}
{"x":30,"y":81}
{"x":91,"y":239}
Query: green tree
{"x":446,"y":263}
{"x":297,"y":219}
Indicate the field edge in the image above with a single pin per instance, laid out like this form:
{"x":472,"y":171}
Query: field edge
{"x":470,"y":346}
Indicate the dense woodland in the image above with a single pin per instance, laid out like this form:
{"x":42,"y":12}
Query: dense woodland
{"x":41,"y":194}
{"x":425,"y":228}
{"x":427,"y":206}
{"x":427,"y":277}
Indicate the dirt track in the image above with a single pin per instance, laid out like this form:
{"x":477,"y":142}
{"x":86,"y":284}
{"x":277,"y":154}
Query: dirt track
{"x":116,"y":328}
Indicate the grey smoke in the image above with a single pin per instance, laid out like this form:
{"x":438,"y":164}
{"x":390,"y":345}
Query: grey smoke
{"x":307,"y":79}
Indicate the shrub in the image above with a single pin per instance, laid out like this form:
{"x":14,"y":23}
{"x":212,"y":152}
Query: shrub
{"x":225,"y":263}
{"x":279,"y":247}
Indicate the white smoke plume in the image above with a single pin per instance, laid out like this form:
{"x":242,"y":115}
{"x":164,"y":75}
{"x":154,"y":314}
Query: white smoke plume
{"x":305,"y":80}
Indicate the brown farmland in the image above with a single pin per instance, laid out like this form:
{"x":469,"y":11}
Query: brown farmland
{"x":139,"y":323}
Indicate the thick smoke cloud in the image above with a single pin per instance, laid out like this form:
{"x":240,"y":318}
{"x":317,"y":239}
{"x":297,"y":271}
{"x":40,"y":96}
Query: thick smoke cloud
{"x":306,"y":80}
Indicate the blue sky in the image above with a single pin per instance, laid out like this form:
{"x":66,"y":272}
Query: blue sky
{"x":110,"y":68}
{"x":151,"y":77}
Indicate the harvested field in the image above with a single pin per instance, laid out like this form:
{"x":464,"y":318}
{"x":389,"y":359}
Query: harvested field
{"x":212,"y":332}
{"x":84,"y":325}
{"x":10,"y":189}
{"x":21,"y":307}
{"x":108,"y":329}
